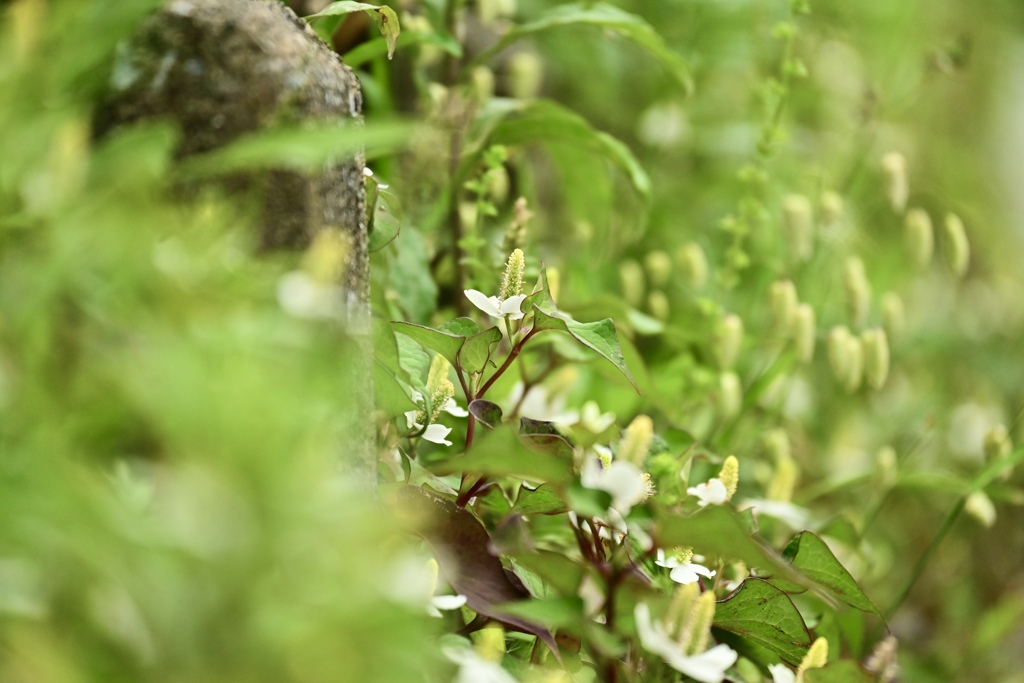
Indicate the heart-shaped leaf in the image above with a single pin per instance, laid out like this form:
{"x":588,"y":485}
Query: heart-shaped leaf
{"x":478,"y":348}
{"x":599,"y":336}
{"x":545,"y":436}
{"x":543,"y":500}
{"x":489,"y":414}
{"x":762,"y":613}
{"x":445,"y":343}
{"x":385,"y":18}
{"x":808,"y":553}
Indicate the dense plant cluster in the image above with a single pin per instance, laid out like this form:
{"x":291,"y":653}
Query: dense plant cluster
{"x":695,"y":343}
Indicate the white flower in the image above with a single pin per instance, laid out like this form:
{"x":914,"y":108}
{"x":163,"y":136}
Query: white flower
{"x":493,"y":307}
{"x":712,"y":492}
{"x":682,"y":572}
{"x":445,"y":602}
{"x":781,"y":673}
{"x":435,"y":433}
{"x":706,"y":667}
{"x":623,"y":480}
{"x":794,"y":516}
{"x":593,"y":419}
{"x":454,"y":409}
{"x":475,"y":669}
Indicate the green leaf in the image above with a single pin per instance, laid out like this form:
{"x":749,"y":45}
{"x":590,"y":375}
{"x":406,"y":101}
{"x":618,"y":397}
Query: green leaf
{"x":502,"y":453}
{"x":445,"y":343}
{"x":561,"y":572}
{"x":489,"y":414}
{"x":298,"y":148}
{"x":387,"y":220}
{"x":385,"y":348}
{"x":388,"y":392}
{"x":411,"y":277}
{"x":762,"y":613}
{"x":545,"y":436}
{"x":552,"y":612}
{"x":415,"y":361}
{"x":717,"y":530}
{"x":808,"y":553}
{"x":385,"y":17}
{"x":460,"y":327}
{"x":843,"y":671}
{"x":599,"y":336}
{"x":606,"y":18}
{"x":542,"y":121}
{"x":361,"y":54}
{"x":543,"y":500}
{"x":477,"y":350}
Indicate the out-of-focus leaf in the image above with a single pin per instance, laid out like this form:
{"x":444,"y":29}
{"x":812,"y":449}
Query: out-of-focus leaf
{"x":542,"y":121}
{"x":808,"y":553}
{"x":764,"y":614}
{"x":599,"y":336}
{"x":545,"y":436}
{"x":385,"y":348}
{"x":587,"y":502}
{"x":717,"y":530}
{"x":385,"y":18}
{"x":298,"y":148}
{"x":461,"y":542}
{"x":445,"y":343}
{"x":552,"y":612}
{"x":460,"y":327}
{"x":361,"y":54}
{"x":415,"y":361}
{"x":477,"y":349}
{"x":413,"y":282}
{"x":387,"y":220}
{"x":502,"y":453}
{"x":607,"y":18}
{"x":489,"y":414}
{"x":543,"y":500}
{"x":843,"y":671}
{"x":389,"y":394}
{"x":562,"y":573}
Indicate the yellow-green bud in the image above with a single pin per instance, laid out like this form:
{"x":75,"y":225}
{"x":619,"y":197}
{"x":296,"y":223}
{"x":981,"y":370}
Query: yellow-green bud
{"x":798,"y":224}
{"x":636,"y":442}
{"x":783,"y":481}
{"x":696,"y":630}
{"x":858,"y":291}
{"x":482,"y":80}
{"x":876,"y":357}
{"x":730,"y":476}
{"x":649,"y":488}
{"x":956,"y":250}
{"x":515,"y":233}
{"x":816,"y":658}
{"x":658,"y":305}
{"x":512,"y":282}
{"x":468,"y":213}
{"x":833,"y":208}
{"x":894,"y":169}
{"x":918,"y":237}
{"x":838,"y":351}
{"x":979,"y":506}
{"x":683,"y":600}
{"x":438,"y":372}
{"x":489,"y":10}
{"x":855,"y":369}
{"x":490,"y":643}
{"x":631,"y":278}
{"x":659,"y":267}
{"x":526,"y":74}
{"x":783,"y":304}
{"x":804,"y":333}
{"x":728,"y":339}
{"x":894,"y":319}
{"x":776,"y":444}
{"x":997,"y":443}
{"x":497,"y":183}
{"x":693,"y":264}
{"x":730,"y":395}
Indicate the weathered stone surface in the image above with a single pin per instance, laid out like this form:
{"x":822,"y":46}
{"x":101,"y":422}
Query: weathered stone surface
{"x":225,"y":68}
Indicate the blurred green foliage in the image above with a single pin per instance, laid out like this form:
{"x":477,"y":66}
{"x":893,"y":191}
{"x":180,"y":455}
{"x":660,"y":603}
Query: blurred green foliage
{"x":170,"y":503}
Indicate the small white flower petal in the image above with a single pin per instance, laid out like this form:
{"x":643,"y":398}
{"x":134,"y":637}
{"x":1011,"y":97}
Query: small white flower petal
{"x":688,"y":572}
{"x":448,"y":602}
{"x":707,"y":667}
{"x":437,"y":433}
{"x":487,"y":304}
{"x":410,"y":419}
{"x":511,"y":306}
{"x":625,"y":482}
{"x":781,"y":673}
{"x":712,"y":492}
{"x":454,"y":409}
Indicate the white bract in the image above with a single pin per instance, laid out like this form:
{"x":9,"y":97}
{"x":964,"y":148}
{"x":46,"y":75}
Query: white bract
{"x":445,"y":602}
{"x":623,"y":480}
{"x":706,"y":667}
{"x":682,"y":572}
{"x":475,"y":669}
{"x":781,"y":673}
{"x":435,"y":433}
{"x":494,"y":307}
{"x":711,"y":492}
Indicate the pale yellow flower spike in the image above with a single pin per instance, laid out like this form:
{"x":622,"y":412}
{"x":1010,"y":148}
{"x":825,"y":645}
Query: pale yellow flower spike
{"x":637,"y":440}
{"x":696,"y":631}
{"x":730,"y":476}
{"x":816,"y":658}
{"x":438,"y":372}
{"x":512,"y":282}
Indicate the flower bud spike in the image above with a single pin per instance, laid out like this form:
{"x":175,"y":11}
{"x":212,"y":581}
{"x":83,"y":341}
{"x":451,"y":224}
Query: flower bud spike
{"x":816,"y":658}
{"x":798,"y":226}
{"x":696,"y":630}
{"x":956,"y":249}
{"x":730,"y":395}
{"x":658,"y":265}
{"x":804,"y":333}
{"x":631,"y":279}
{"x":882,"y":660}
{"x":997,"y":443}
{"x":833,"y":207}
{"x":838,"y":352}
{"x":730,"y":476}
{"x":693,"y":265}
{"x":636,"y":442}
{"x":894,"y":318}
{"x":783,"y":300}
{"x":855,"y":369}
{"x":682,"y":603}
{"x":512,"y":282}
{"x":897,"y":189}
{"x":858,"y":291}
{"x":658,"y":305}
{"x":919,"y":237}
{"x":728,"y":338}
{"x":876,"y":357}
{"x":444,"y":393}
